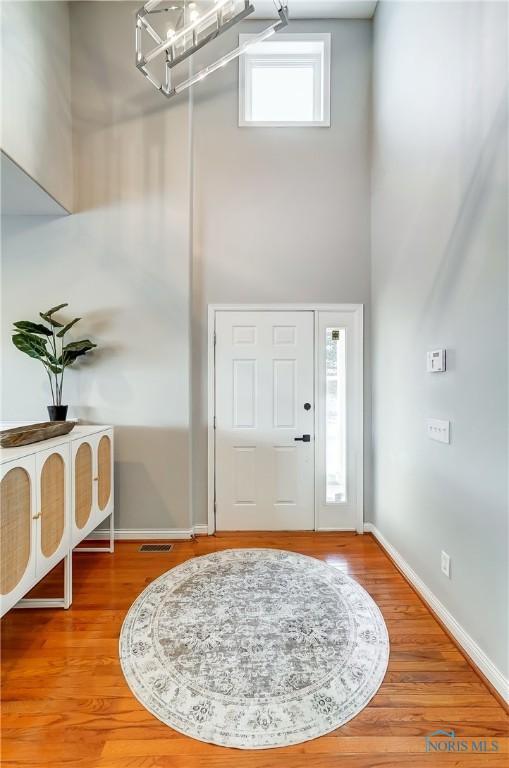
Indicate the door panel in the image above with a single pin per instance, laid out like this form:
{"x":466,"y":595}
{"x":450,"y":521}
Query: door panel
{"x":286,"y":462}
{"x":264,"y":375}
{"x":244,"y":397}
{"x":245,"y":474}
{"x":284,"y":393}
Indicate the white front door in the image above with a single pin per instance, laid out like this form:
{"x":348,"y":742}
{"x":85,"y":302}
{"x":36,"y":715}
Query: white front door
{"x":264,"y":420}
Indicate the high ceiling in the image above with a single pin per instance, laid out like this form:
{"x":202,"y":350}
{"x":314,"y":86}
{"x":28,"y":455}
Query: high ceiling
{"x":299,"y":9}
{"x":318,"y":9}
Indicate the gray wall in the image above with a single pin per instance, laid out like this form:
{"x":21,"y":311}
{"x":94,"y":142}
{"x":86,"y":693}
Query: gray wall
{"x":280,"y":215}
{"x":122,"y":261}
{"x":36,"y":93}
{"x":294,"y":204}
{"x":439,"y":254}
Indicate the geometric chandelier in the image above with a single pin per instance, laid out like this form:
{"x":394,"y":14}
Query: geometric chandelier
{"x":176,"y":29}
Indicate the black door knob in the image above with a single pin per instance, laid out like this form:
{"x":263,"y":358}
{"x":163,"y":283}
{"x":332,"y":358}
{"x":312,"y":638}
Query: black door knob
{"x":307,"y":406}
{"x":303,"y":439}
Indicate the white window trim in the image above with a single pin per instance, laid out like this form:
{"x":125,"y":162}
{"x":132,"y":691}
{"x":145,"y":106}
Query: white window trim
{"x":245,"y":61}
{"x":350,"y":316}
{"x":351,"y":322}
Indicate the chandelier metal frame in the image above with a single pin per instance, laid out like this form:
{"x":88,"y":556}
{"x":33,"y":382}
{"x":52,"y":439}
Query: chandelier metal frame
{"x":174,"y":55}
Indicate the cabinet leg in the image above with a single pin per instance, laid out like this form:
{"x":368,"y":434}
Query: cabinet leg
{"x":112,"y":534}
{"x":111,"y":544}
{"x":68,"y":580}
{"x":53,"y":602}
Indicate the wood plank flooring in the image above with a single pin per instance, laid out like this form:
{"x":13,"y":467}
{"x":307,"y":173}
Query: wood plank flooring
{"x":65,"y":701}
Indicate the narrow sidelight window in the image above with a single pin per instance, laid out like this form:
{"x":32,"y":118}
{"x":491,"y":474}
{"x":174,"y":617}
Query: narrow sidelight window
{"x":335,"y":415}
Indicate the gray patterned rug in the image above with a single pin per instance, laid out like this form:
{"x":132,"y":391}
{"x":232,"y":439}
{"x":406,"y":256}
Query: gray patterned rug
{"x":254,"y":648}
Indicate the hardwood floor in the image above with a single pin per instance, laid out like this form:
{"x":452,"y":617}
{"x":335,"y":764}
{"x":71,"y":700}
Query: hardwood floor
{"x":65,"y":701}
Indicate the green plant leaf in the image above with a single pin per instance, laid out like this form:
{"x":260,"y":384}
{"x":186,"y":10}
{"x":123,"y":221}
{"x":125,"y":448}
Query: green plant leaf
{"x":54,"y":368}
{"x":54,"y":309}
{"x":70,"y":358}
{"x":32,"y":346}
{"x":50,"y":320}
{"x":79,"y":346}
{"x":73,"y":350}
{"x":34,"y":339}
{"x":68,"y":327}
{"x":26,"y":325}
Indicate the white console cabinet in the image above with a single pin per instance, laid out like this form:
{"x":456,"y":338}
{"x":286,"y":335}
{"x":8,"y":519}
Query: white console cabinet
{"x":52,"y":495}
{"x":92,"y":462}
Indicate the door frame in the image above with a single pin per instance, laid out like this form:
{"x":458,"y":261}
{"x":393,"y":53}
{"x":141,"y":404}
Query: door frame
{"x":357,"y":313}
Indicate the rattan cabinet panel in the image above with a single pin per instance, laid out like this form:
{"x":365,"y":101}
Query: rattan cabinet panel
{"x":52,"y":504}
{"x":15,"y":527}
{"x":53,"y":494}
{"x":92,"y":478}
{"x":17,"y":530}
{"x":104,"y":471}
{"x":83,"y":485}
{"x":54,"y":508}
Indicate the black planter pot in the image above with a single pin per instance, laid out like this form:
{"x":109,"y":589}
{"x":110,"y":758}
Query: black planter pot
{"x":57,"y":412}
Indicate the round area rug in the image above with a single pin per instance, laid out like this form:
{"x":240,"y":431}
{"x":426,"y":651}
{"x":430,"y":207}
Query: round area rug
{"x":254,"y":648}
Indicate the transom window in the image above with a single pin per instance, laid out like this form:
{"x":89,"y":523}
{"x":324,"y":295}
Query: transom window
{"x":285,"y":82}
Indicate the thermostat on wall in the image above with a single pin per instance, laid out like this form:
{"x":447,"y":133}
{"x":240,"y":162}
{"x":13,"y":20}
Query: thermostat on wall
{"x":436,"y":361}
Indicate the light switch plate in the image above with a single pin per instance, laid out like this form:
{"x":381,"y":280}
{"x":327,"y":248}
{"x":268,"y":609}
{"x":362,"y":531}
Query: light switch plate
{"x":445,"y":564}
{"x":435,"y":361}
{"x":439,"y":430}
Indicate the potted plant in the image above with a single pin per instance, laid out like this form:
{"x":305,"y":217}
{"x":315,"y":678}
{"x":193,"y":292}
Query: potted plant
{"x":47,"y":344}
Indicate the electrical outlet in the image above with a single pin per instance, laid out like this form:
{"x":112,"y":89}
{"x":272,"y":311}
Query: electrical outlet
{"x":445,"y":564}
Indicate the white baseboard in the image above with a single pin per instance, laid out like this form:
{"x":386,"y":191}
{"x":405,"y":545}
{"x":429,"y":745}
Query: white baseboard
{"x":486,"y":666}
{"x":201,"y":530}
{"x":149,"y":534}
{"x":335,"y":530}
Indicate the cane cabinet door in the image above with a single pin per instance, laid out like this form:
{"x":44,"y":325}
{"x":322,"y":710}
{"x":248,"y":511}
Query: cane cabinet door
{"x":104,"y":475}
{"x":92,"y":475}
{"x":83,"y":492}
{"x":53,"y":501}
{"x":17,"y":529}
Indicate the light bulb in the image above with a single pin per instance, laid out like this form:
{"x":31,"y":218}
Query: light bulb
{"x":194,"y":15}
{"x":170,"y":32}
